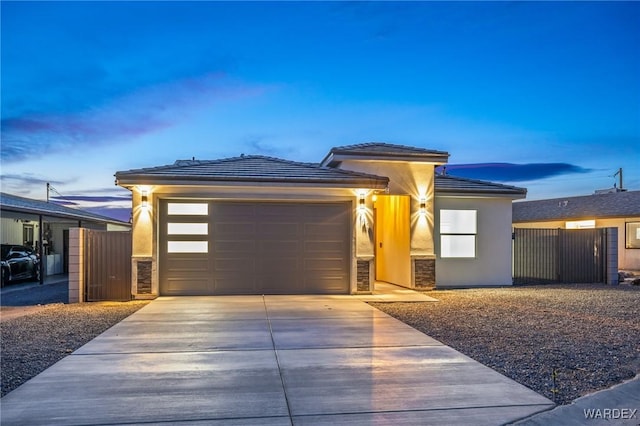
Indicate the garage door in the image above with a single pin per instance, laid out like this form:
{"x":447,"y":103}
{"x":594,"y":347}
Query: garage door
{"x":213,"y":248}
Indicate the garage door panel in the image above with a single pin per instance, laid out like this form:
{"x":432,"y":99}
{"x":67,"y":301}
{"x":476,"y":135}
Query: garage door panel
{"x":324,"y":284}
{"x":235,"y":230}
{"x":276,"y":249}
{"x":186,"y":286}
{"x":318,"y":247}
{"x":276,"y":211}
{"x":278,"y":230}
{"x":243,"y":265}
{"x":267,"y":248}
{"x":185,"y":265}
{"x":224,"y":247}
{"x":336,"y":264}
{"x":324,"y":230}
{"x":235,"y":284}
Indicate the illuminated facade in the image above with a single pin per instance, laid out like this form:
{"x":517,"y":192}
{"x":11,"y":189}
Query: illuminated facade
{"x":365,"y":213}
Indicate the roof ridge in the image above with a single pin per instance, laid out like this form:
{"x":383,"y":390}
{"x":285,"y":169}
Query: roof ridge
{"x":388,"y":145}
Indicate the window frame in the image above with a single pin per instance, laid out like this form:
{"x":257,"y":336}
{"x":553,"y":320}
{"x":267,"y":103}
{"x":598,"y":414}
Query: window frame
{"x":627,"y":232}
{"x":453,"y":233}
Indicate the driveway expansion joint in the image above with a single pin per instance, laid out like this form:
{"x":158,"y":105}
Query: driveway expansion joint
{"x":275,"y":351}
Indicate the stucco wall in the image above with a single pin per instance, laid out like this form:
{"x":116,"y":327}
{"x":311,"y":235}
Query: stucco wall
{"x":407,"y":178}
{"x":628,"y":259}
{"x":492,"y":264}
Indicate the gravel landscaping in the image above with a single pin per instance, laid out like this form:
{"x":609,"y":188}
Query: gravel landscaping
{"x":38,"y":338}
{"x":587,"y":336}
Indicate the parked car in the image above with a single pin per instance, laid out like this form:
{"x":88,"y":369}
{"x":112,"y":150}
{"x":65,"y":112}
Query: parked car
{"x":18,"y":263}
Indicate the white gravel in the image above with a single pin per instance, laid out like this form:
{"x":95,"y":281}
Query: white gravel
{"x":589,"y":335}
{"x":38,"y":338}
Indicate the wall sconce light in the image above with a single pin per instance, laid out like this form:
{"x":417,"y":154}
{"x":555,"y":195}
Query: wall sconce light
{"x":361,"y":204}
{"x":423,"y":206}
{"x":145,"y":199}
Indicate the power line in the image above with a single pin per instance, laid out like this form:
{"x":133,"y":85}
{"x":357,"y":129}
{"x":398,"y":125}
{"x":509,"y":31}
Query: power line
{"x":50,"y":189}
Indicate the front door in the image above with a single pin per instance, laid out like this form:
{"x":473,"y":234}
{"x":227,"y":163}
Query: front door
{"x":393,"y":239}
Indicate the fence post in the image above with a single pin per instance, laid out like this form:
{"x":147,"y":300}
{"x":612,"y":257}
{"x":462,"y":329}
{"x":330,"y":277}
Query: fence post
{"x":612,"y":256}
{"x":76,"y":265}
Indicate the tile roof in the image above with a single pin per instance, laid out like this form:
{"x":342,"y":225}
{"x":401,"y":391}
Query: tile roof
{"x":250,"y":169}
{"x":617,"y":204}
{"x":28,"y":205}
{"x":382,"y":150}
{"x":445,"y":184}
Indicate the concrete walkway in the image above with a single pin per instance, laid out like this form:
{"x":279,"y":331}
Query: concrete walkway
{"x":273,"y":360}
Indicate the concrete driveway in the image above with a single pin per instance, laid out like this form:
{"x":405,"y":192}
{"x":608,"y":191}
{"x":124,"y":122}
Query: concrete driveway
{"x":272,"y":360}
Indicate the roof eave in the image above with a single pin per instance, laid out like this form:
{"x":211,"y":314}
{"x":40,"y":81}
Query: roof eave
{"x":80,"y":216}
{"x":133,"y":180}
{"x":514,"y":195}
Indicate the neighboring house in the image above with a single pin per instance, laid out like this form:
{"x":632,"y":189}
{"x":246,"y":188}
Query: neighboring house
{"x":261,"y":225}
{"x":40,"y":224}
{"x":619,"y":210}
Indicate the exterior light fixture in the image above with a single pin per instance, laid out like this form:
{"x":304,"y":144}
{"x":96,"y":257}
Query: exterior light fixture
{"x":361,"y":205}
{"x":145,"y":199}
{"x":423,"y":206}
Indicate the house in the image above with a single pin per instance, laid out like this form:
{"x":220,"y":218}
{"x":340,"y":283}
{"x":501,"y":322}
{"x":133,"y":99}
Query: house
{"x":36,"y":224}
{"x":617,"y":209}
{"x":261,"y":225}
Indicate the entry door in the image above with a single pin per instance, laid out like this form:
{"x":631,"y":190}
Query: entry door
{"x":255,"y":248}
{"x":393,"y":239}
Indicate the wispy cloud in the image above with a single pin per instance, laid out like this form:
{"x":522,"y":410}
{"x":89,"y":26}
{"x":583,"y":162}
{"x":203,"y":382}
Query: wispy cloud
{"x":114,"y":206}
{"x":141,"y":112}
{"x":28,"y":179}
{"x":100,"y":199}
{"x":508,"y":172}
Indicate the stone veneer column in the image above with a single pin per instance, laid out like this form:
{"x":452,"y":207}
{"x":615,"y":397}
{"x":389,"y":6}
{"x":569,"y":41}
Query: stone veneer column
{"x":424,"y":272}
{"x":364,"y":276}
{"x":142,"y":270}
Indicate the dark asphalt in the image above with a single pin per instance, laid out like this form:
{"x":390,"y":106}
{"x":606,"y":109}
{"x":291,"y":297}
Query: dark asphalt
{"x":30,"y":293}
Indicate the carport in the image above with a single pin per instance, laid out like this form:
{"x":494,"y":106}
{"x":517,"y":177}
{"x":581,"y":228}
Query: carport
{"x":44,"y":227}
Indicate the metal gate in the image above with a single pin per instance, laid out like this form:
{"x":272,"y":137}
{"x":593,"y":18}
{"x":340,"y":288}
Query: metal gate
{"x":107,"y":265}
{"x":559,"y":256}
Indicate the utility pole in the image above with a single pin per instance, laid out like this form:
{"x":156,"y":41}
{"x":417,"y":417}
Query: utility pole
{"x":619,"y":172}
{"x":48,"y":189}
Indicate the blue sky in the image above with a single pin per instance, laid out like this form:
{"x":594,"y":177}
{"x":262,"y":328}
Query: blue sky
{"x":544,"y":95}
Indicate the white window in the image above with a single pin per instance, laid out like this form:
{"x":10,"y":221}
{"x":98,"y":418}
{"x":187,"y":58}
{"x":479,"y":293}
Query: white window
{"x":187,"y":246}
{"x":188,"y":209}
{"x":581,"y":224}
{"x":633,"y":235}
{"x":458,"y":229}
{"x":187,"y":228}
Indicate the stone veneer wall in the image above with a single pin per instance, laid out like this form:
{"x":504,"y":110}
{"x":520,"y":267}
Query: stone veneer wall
{"x":144,"y":270}
{"x":425,"y":273}
{"x":363,"y":276}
